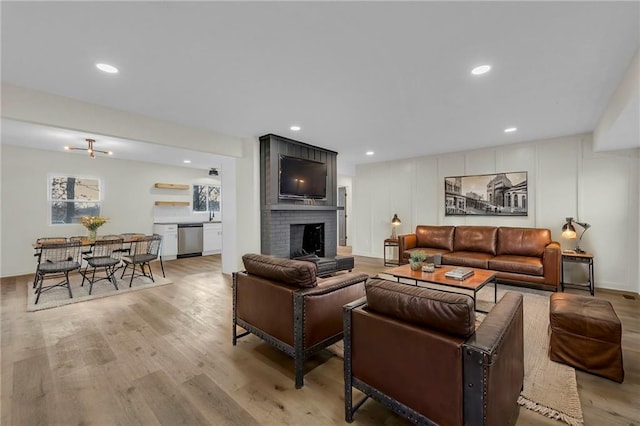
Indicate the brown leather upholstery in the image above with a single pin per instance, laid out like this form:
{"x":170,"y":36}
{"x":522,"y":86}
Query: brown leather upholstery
{"x":586,"y":333}
{"x":437,"y":237}
{"x":283,"y":302}
{"x":523,"y":241}
{"x":438,"y":376}
{"x":520,"y":256}
{"x":476,"y":238}
{"x":447,"y":312}
{"x":286,"y":271}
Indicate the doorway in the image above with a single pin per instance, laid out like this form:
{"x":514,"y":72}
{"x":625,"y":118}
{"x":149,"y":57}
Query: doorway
{"x":342,"y":216}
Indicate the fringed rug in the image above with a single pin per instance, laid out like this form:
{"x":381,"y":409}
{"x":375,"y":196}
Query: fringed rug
{"x":549,"y":388}
{"x":59,"y":296}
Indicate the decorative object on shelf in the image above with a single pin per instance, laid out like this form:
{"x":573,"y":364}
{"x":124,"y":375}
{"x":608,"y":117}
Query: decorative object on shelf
{"x":89,"y":149}
{"x":416,"y":259}
{"x":569,"y":231}
{"x":499,"y":194}
{"x":92,"y":223}
{"x":395,"y":222}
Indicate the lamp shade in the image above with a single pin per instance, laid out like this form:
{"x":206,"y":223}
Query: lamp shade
{"x":396,"y":220}
{"x":568,"y":231}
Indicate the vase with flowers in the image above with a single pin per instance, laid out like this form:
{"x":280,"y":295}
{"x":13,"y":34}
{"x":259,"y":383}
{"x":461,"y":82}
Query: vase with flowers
{"x":92,"y":223}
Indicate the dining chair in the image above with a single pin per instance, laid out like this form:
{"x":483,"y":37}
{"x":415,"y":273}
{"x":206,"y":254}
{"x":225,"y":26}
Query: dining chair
{"x":143,"y":251}
{"x":105,"y":254}
{"x":56,"y":260}
{"x":39,"y":242}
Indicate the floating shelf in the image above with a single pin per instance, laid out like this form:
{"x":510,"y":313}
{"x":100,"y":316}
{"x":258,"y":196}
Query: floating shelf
{"x":172,"y":203}
{"x":171,"y":186}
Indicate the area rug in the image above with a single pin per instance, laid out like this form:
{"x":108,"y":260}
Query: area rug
{"x":549,"y":388}
{"x":59,"y":296}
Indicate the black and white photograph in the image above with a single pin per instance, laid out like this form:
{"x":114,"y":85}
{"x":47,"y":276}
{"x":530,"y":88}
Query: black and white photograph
{"x":500,"y":194}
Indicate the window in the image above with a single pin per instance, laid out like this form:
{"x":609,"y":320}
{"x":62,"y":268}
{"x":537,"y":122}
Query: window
{"x":72,"y":197}
{"x":206,"y":198}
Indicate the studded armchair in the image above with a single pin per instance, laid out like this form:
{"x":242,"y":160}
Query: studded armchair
{"x":283,"y":302}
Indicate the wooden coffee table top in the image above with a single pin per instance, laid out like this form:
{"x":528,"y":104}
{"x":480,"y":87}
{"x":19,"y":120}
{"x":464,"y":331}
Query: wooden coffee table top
{"x":479,"y":278}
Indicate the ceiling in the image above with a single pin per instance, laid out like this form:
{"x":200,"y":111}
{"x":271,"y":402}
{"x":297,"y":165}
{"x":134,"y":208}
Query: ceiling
{"x":389,"y":77}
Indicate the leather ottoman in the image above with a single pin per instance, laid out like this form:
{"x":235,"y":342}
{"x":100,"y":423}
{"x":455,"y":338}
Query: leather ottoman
{"x":586,"y":333}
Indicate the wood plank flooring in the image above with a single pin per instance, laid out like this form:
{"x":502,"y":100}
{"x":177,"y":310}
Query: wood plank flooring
{"x":164,"y":356}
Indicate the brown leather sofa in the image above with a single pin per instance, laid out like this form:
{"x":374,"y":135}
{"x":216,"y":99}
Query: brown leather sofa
{"x":520,"y":256}
{"x":418,"y":352}
{"x":284,"y":302}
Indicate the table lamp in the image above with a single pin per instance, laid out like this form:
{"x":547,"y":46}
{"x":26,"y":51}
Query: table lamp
{"x":569,"y":231}
{"x":394,"y":223}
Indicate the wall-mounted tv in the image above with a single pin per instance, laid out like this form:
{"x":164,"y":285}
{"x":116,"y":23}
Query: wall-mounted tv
{"x":300,"y":178}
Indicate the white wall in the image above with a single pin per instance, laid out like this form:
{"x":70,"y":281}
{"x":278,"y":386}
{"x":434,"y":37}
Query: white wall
{"x":566,"y":178}
{"x":129,"y":197}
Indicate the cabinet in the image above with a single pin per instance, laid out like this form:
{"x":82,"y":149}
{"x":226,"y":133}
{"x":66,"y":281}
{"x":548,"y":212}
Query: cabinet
{"x":169,"y":233}
{"x":211,"y":238}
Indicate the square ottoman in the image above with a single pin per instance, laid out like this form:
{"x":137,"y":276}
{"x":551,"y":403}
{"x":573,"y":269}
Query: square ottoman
{"x":586,"y":333}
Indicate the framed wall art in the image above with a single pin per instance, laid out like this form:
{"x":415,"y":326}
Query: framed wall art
{"x":499,"y":194}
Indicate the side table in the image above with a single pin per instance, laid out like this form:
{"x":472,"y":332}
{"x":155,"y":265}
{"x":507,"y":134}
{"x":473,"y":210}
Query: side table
{"x":390,"y":243}
{"x":578,"y":258}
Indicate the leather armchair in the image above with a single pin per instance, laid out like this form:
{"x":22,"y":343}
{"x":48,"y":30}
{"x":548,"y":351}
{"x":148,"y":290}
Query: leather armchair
{"x":283,"y":302}
{"x":418,"y":352}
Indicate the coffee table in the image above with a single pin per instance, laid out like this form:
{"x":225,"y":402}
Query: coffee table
{"x":475,"y":283}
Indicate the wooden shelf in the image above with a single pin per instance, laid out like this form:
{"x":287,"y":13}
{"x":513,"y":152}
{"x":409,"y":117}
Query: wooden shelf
{"x":171,"y":186}
{"x":172,"y":203}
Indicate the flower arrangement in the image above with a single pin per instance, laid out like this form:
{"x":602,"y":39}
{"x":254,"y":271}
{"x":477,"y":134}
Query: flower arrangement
{"x":92,"y":223}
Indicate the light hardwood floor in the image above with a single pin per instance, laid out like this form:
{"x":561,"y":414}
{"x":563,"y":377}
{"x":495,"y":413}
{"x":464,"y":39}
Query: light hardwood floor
{"x":164,"y":356}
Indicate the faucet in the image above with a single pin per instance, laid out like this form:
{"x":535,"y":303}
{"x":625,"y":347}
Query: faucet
{"x":211,"y":215}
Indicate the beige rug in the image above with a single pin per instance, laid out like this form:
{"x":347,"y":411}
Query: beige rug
{"x":59,"y":296}
{"x":549,"y":388}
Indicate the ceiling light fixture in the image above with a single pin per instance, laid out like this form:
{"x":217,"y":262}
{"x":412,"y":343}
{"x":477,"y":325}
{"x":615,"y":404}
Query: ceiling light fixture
{"x":369,"y":153}
{"x":295,"y":128}
{"x":107,"y":68}
{"x":89,"y":149}
{"x":187,"y":161}
{"x":510,"y":129}
{"x":481,"y":69}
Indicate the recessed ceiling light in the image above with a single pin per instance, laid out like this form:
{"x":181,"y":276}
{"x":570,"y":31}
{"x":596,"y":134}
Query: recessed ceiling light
{"x":481,"y":69}
{"x":107,"y":68}
{"x":510,"y":129}
{"x":187,"y":161}
{"x":369,"y":153}
{"x":295,"y":128}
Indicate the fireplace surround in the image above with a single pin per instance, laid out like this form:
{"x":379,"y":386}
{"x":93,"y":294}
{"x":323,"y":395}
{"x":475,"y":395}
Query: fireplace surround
{"x":282,"y":219}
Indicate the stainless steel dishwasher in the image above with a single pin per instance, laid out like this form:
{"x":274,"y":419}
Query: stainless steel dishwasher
{"x":189,"y":239}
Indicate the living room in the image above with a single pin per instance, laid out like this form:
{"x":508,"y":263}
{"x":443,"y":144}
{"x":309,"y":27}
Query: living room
{"x":584,"y":168}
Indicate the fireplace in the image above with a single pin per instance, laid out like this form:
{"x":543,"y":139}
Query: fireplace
{"x":305,"y":239}
{"x":283,"y":232}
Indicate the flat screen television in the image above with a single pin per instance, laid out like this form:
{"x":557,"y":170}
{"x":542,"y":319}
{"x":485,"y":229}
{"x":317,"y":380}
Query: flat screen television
{"x":300,"y":178}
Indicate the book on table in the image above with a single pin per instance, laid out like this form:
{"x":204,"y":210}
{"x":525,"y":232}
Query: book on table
{"x":459,"y":273}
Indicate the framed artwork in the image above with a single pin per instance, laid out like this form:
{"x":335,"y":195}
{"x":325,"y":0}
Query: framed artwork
{"x":499,"y":194}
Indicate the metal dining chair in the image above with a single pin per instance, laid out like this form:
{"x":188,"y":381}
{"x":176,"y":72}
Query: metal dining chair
{"x":56,"y":260}
{"x":143,"y":251}
{"x":39,"y":242}
{"x":105,"y":254}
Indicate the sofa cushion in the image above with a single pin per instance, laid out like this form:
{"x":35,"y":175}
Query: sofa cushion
{"x":469,"y":259}
{"x":286,"y":271}
{"x":523,"y":241}
{"x":518,"y":264}
{"x":437,"y":237}
{"x":448,"y":313}
{"x":481,"y":239}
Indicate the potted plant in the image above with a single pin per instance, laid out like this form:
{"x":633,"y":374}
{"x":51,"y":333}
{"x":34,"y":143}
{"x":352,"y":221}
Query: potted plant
{"x":415,"y":260}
